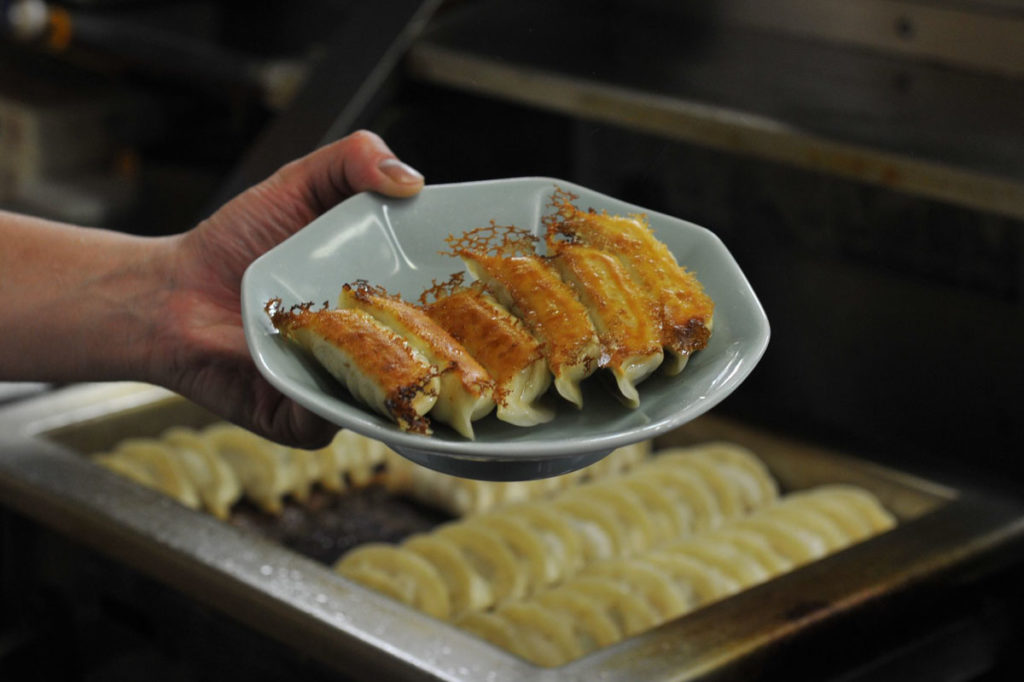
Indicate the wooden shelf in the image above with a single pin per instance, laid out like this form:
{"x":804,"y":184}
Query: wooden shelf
{"x":945,"y":133}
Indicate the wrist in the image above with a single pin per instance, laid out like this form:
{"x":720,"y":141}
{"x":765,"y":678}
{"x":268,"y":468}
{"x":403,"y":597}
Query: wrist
{"x":115,"y":320}
{"x":80,"y":303}
{"x":137,"y":293}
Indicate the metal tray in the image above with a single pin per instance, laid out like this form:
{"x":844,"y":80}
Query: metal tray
{"x":943,"y":534}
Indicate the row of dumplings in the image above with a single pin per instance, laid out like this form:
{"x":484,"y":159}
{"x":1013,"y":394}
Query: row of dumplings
{"x":608,"y":294}
{"x":615,"y":599}
{"x":214,"y":467}
{"x":517,"y":550}
{"x":463,"y":496}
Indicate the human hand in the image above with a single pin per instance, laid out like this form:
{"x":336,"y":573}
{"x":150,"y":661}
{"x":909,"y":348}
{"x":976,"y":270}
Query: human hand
{"x":200,"y":350}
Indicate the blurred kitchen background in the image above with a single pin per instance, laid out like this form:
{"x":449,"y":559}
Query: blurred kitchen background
{"x":862,"y":159}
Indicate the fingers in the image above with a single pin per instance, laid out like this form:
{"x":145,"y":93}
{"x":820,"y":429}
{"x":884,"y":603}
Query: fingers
{"x":284,"y":421}
{"x":288,"y":423}
{"x":296,"y":426}
{"x":357,"y":163}
{"x":222,"y":247}
{"x":229,"y":385}
{"x":404,"y":180}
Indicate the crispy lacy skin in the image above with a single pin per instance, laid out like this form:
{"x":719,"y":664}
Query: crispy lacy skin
{"x":504,"y":260}
{"x":675,"y":294}
{"x":466,"y":390}
{"x":375,"y":363}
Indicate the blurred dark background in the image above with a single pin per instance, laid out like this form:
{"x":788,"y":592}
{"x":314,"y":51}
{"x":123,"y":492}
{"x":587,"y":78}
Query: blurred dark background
{"x":863,"y":161}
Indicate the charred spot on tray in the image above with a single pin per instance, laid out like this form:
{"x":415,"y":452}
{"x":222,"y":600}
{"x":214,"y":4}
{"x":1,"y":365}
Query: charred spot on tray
{"x":330,"y":524}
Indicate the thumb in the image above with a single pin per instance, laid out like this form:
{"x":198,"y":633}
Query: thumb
{"x":359,"y":162}
{"x":403,"y":179}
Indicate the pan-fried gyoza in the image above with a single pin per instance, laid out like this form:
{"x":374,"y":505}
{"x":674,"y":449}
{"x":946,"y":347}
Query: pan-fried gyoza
{"x":629,"y":333}
{"x":635,"y":560}
{"x":376,"y":364}
{"x":504,"y":260}
{"x":500,"y":342}
{"x":673,"y":293}
{"x":465,"y":390}
{"x":607,"y":294}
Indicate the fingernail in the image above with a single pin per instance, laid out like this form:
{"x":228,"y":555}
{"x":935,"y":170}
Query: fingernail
{"x":400,"y":172}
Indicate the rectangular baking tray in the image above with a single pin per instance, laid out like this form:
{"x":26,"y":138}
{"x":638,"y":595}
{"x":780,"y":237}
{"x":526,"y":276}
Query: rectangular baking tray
{"x":943,"y":530}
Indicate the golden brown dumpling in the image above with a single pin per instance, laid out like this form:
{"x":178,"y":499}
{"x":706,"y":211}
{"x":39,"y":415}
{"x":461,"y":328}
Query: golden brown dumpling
{"x":528,"y":286}
{"x":498,"y":340}
{"x":673,"y":293}
{"x":375,"y":363}
{"x":465,"y":391}
{"x":630,"y":335}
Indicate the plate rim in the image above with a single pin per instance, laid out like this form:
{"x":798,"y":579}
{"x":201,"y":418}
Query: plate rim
{"x":533,"y":449}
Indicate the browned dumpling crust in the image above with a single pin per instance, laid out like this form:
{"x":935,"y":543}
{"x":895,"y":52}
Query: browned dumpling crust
{"x":674,"y":294}
{"x":629,"y":333}
{"x":503,"y":259}
{"x":607,"y":294}
{"x":500,"y":342}
{"x":466,"y":389}
{"x":375,"y":363}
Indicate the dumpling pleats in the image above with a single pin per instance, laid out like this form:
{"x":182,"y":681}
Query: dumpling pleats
{"x":165,"y":469}
{"x":674,"y":294}
{"x":375,"y":363}
{"x":532,"y":290}
{"x":629,"y":334}
{"x":499,"y":342}
{"x":466,"y":392}
{"x":216,"y":482}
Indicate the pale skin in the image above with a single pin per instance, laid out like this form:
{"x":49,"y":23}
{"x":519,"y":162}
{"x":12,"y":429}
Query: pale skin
{"x":85,"y":304}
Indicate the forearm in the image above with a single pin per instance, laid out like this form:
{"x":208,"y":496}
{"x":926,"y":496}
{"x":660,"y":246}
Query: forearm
{"x":78,"y":304}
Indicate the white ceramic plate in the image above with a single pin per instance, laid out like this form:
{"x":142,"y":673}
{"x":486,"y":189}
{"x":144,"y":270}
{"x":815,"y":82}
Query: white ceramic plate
{"x":396,"y":243}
